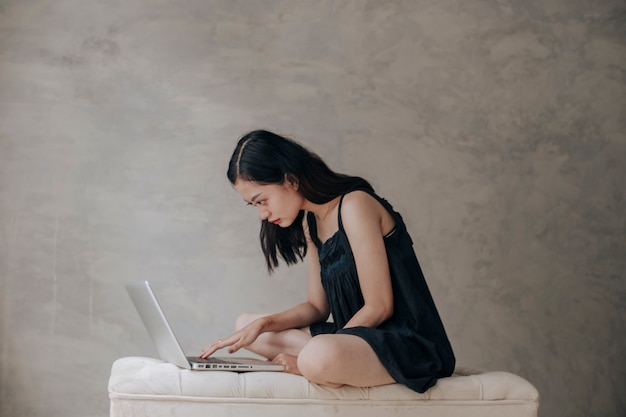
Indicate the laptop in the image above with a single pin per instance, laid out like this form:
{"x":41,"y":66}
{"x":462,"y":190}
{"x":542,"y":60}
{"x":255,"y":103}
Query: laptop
{"x":167,"y":344}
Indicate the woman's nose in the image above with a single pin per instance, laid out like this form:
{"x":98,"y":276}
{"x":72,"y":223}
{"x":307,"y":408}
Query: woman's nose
{"x":264,"y":213}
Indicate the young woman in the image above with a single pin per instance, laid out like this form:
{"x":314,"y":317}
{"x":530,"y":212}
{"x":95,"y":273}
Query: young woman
{"x":361,"y":269}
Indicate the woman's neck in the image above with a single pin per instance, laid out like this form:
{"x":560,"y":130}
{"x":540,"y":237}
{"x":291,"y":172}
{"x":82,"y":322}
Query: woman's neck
{"x":322,"y":211}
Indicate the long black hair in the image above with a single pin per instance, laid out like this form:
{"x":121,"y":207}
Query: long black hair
{"x":267,"y":158}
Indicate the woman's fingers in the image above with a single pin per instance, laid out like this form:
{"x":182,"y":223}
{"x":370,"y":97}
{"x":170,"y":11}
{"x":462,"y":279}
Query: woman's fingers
{"x":213,"y":347}
{"x":234,"y":346}
{"x":236,"y":341}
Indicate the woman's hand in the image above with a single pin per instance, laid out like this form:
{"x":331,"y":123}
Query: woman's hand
{"x":237,"y":340}
{"x":290,"y":362}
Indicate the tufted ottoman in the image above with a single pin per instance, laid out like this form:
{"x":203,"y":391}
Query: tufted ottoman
{"x":150,"y":387}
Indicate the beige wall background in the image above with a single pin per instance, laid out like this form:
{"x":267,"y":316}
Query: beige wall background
{"x":496,"y":127}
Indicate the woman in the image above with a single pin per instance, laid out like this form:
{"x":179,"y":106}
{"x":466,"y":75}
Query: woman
{"x":361,"y":269}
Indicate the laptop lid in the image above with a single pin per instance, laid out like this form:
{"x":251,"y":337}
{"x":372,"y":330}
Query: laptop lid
{"x":167,"y":344}
{"x":156,"y":323}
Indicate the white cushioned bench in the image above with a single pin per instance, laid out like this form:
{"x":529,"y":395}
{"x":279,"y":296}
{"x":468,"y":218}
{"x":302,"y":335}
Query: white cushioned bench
{"x":150,"y":387}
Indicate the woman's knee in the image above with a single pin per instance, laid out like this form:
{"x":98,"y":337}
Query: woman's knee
{"x":318,"y":360}
{"x":336,"y":360}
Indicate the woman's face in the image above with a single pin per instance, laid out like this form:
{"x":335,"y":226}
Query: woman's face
{"x":277,"y":203}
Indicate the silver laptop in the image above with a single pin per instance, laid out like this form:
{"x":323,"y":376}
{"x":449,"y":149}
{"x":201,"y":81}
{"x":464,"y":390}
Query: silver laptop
{"x":167,"y":345}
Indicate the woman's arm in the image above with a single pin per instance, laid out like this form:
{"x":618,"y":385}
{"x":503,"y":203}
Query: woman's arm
{"x":365,"y":222}
{"x":296,"y":317}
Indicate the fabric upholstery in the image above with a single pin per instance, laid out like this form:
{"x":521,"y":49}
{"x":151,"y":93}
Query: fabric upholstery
{"x":146,"y":386}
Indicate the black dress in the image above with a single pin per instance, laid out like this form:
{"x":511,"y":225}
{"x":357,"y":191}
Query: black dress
{"x":412,"y":345}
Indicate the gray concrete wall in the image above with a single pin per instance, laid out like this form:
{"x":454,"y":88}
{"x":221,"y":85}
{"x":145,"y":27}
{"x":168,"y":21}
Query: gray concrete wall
{"x":496,"y":127}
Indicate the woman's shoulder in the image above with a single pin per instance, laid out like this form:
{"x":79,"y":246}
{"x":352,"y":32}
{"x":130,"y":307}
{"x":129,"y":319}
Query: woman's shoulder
{"x":361,"y":203}
{"x":362,"y":209}
{"x":358,"y":197}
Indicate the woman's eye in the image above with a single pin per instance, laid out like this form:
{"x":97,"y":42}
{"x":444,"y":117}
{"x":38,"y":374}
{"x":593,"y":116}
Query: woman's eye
{"x":256,"y":203}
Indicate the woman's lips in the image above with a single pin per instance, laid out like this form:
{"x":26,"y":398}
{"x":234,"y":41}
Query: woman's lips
{"x":275,"y":221}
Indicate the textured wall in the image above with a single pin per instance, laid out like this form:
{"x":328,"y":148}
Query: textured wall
{"x":496,"y":127}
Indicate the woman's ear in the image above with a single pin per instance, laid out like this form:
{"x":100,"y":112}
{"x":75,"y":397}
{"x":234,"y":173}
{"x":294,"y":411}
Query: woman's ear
{"x":292,"y":181}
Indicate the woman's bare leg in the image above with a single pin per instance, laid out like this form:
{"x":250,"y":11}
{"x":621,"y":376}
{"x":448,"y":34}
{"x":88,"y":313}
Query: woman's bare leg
{"x":341,"y":359}
{"x":329,"y":359}
{"x":271,"y":344}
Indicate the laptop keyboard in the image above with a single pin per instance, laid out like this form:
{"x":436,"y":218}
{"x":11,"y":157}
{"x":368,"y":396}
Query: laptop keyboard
{"x":207,"y":360}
